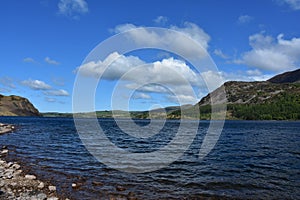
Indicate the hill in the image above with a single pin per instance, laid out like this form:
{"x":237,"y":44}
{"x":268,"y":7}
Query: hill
{"x":16,"y":106}
{"x":275,"y":99}
{"x":287,"y":77}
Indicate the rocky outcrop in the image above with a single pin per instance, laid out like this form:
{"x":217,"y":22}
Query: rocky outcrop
{"x":16,"y":106}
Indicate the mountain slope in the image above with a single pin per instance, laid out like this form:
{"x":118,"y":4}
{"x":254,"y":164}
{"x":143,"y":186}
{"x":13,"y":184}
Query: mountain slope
{"x":287,"y":77}
{"x":275,"y":99}
{"x":16,"y":106}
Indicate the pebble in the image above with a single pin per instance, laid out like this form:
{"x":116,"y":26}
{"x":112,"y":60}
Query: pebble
{"x":4,"y":151}
{"x":41,"y":185}
{"x":15,"y":186}
{"x":10,"y":164}
{"x":52,"y":198}
{"x":74,"y":185}
{"x":52,"y":188}
{"x":42,"y":196}
{"x":30,"y":177}
{"x":16,"y":166}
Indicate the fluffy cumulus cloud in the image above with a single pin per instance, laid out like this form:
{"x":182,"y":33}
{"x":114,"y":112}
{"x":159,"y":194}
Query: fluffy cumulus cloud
{"x":60,"y":92}
{"x":115,"y":66}
{"x":171,"y":39}
{"x":272,"y":54}
{"x":243,"y":19}
{"x":168,"y":76}
{"x":36,"y":84}
{"x":112,"y":68}
{"x":51,"y":61}
{"x":73,"y":8}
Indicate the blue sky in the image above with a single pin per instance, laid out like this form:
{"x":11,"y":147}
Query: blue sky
{"x":44,"y":42}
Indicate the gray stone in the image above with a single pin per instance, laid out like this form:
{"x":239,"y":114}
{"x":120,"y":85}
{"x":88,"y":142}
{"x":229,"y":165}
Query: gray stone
{"x":4,"y":151}
{"x":41,"y":185}
{"x":41,"y":196}
{"x":16,"y":166}
{"x":30,"y":177}
{"x":52,"y":188}
{"x":10,"y":164}
{"x":52,"y":198}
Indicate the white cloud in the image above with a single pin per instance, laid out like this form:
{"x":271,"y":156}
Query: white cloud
{"x":29,"y":60}
{"x":50,"y":61}
{"x":219,"y":53}
{"x":4,"y":90}
{"x":165,"y":76}
{"x":36,"y":84}
{"x":140,"y":95}
{"x":212,"y":78}
{"x":50,"y":100}
{"x":149,"y":88}
{"x":161,"y":20}
{"x":254,"y":72}
{"x":171,"y":39}
{"x":113,"y":70}
{"x":294,"y":4}
{"x":243,"y":19}
{"x":165,"y":71}
{"x":57,"y":93}
{"x":272,"y":54}
{"x":72,"y":8}
{"x":183,"y":99}
{"x":7,"y":82}
{"x":195,"y":32}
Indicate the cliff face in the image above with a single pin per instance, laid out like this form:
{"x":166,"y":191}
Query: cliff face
{"x":16,"y":106}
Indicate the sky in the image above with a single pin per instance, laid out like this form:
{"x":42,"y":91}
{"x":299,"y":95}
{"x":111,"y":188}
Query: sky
{"x":44,"y":45}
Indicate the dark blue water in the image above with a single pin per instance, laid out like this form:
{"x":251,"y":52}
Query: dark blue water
{"x":252,"y":159}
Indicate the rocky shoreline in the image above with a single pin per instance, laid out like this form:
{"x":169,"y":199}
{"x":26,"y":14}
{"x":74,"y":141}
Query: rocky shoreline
{"x":15,"y":185}
{"x":19,"y":183}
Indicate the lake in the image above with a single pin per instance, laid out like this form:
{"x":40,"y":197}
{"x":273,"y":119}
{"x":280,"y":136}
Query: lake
{"x":252,"y":159}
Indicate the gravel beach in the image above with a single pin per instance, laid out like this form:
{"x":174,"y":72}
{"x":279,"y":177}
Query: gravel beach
{"x":14,"y":184}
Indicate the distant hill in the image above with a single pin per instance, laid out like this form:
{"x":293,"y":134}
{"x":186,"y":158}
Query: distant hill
{"x":275,"y":99}
{"x":287,"y":77}
{"x":16,"y":106}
